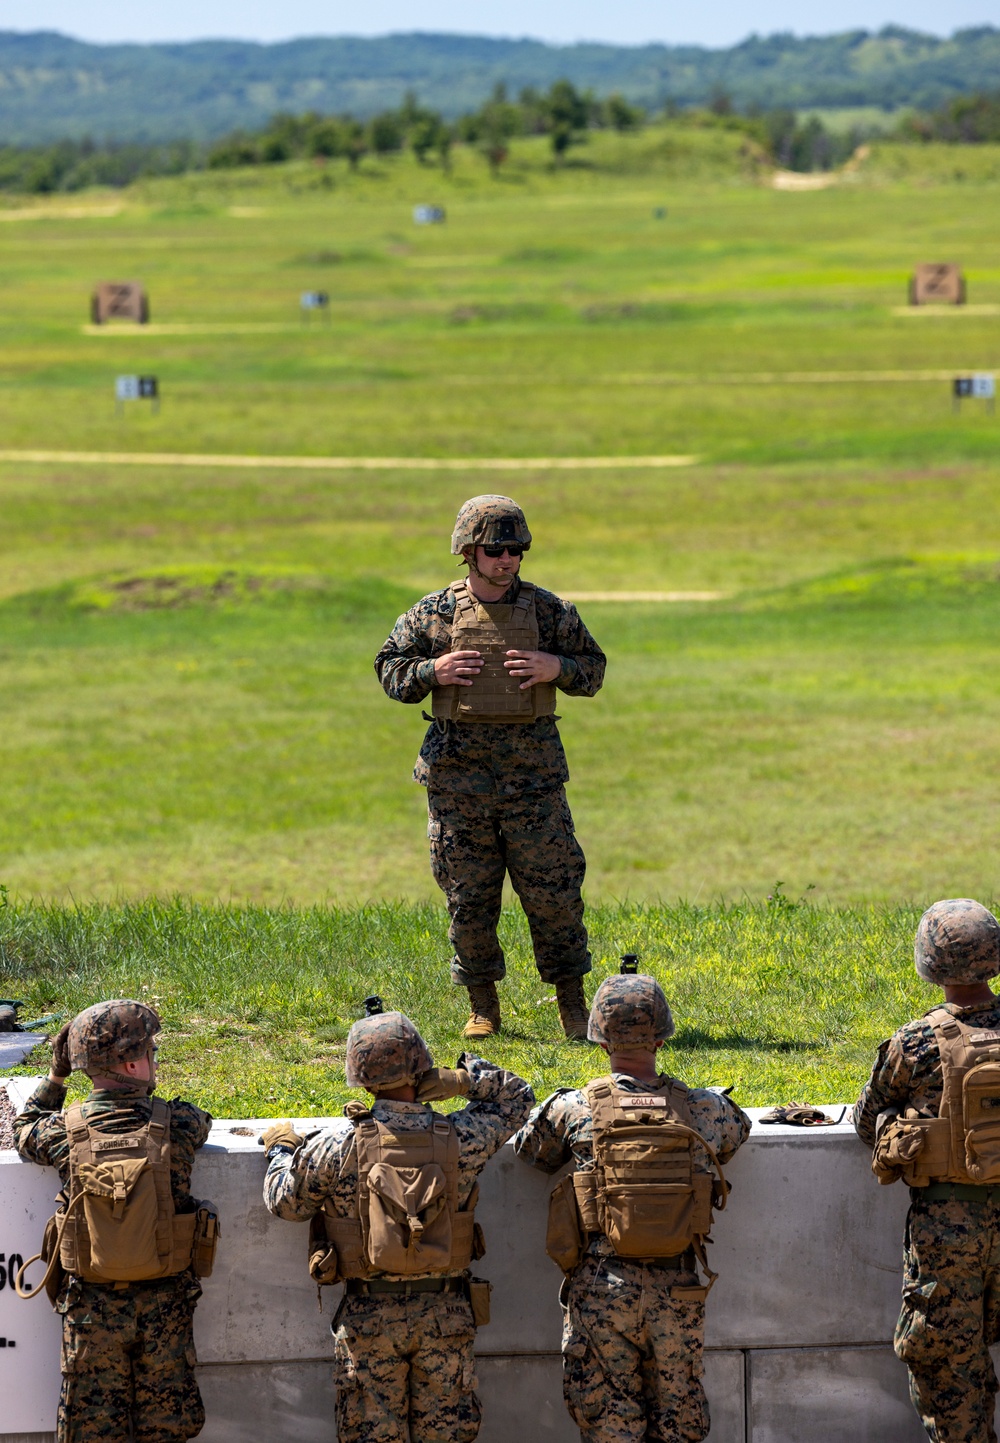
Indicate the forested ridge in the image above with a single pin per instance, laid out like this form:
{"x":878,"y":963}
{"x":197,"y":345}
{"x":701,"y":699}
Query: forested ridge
{"x":53,"y":87}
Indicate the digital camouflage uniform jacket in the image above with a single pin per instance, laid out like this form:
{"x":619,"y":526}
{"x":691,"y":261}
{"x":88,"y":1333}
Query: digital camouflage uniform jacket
{"x":562,"y":1127}
{"x":482,"y":757}
{"x":40,"y":1131}
{"x":325,"y":1166}
{"x":907,"y":1070}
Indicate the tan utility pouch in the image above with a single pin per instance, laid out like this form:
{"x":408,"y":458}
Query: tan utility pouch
{"x":913,"y":1148}
{"x":206,"y":1239}
{"x":324,"y":1264}
{"x":479,"y":1298}
{"x":564,"y":1240}
{"x":409,"y":1222}
{"x":981,"y":1116}
{"x":120,"y":1208}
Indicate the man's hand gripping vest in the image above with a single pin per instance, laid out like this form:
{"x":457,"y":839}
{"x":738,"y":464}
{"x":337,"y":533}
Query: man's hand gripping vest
{"x":961,"y":1144}
{"x":494,"y":696}
{"x":645,"y":1194}
{"x":407,"y":1219}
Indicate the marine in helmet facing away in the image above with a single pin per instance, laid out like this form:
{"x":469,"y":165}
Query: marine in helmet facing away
{"x":629,"y":1224}
{"x":129,"y":1231}
{"x":931,"y":1112}
{"x":392,"y":1208}
{"x":492,"y":651}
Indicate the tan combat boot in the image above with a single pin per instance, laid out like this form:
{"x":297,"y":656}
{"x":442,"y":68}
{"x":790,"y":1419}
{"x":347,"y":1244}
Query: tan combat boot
{"x":485,"y":1018}
{"x":574,"y":1014}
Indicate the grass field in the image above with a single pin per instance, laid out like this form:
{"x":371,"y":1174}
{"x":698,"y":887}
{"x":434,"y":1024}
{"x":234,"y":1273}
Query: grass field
{"x":189,"y":706}
{"x":777,"y":999}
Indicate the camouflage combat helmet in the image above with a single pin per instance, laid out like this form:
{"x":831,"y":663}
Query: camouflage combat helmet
{"x":630,"y":1012}
{"x":105,"y":1036}
{"x":385,"y":1051}
{"x":958,"y":941}
{"x":489,"y":521}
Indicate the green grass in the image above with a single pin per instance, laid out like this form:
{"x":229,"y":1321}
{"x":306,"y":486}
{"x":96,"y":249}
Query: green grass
{"x":189,"y":705}
{"x":778,"y":999}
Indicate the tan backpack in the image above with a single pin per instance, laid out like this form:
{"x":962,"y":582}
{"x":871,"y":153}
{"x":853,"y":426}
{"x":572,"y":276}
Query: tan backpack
{"x":118,"y":1223}
{"x":961,"y":1144}
{"x":645,"y":1193}
{"x":408,"y":1219}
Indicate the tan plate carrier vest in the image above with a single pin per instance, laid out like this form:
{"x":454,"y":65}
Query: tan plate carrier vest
{"x":644,"y":1194}
{"x":961,"y":1144}
{"x":494,"y":696}
{"x":407,"y":1219}
{"x":126,"y":1229}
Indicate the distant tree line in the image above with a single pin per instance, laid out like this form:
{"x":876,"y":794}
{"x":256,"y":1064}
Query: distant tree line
{"x":562,"y":113}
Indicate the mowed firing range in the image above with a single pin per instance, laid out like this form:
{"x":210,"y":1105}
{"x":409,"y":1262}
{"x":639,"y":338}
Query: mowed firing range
{"x":190,"y":645}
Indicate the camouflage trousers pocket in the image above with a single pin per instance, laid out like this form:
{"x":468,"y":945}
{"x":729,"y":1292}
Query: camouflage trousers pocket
{"x":917,"y":1341}
{"x":583,"y":1382}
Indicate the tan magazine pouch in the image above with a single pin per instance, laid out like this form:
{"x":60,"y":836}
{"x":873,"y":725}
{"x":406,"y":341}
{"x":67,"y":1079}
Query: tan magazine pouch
{"x":564,"y":1238}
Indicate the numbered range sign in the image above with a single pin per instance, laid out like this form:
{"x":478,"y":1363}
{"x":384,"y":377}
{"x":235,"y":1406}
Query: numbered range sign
{"x":315,"y":302}
{"x":137,"y":388}
{"x":981,"y":387}
{"x":29,"y":1331}
{"x":428,"y":215}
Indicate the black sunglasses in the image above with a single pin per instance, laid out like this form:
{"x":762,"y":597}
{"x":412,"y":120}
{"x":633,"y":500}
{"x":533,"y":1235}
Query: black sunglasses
{"x":512,"y":548}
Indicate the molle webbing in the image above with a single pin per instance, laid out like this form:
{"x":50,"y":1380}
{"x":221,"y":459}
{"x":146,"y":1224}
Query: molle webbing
{"x":115,"y":1172}
{"x":407,"y":1216}
{"x":970,"y":1067}
{"x":493,"y":630}
{"x":644,"y":1194}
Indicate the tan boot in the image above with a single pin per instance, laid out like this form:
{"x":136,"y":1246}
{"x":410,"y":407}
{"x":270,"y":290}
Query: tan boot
{"x":485,"y":1018}
{"x":574,"y":1014}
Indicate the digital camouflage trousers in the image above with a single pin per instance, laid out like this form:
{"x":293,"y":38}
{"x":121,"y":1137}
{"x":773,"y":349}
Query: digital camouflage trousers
{"x":632,"y":1354}
{"x":951,"y":1316}
{"x":475,"y":839}
{"x":404,"y":1370}
{"x":128,"y":1363}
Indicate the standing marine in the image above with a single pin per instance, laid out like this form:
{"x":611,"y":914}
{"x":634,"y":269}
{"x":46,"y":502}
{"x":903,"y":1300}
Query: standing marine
{"x":392,"y":1207}
{"x":931,"y":1112}
{"x":492,"y":651}
{"x":128,"y":1243}
{"x":629,"y":1224}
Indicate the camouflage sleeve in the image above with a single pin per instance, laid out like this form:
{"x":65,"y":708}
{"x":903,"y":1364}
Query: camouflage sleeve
{"x":498,"y":1102}
{"x":405,"y":664}
{"x":40,"y":1131}
{"x":888,"y":1086}
{"x":561,"y":632}
{"x":297,"y":1184}
{"x":544,"y":1140}
{"x":723,"y":1125}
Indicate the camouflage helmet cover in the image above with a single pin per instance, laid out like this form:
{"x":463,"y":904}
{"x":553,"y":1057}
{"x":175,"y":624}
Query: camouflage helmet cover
{"x":385,"y":1051}
{"x":957,"y":941}
{"x":630,"y":1012}
{"x":103,"y":1037}
{"x":489,"y":521}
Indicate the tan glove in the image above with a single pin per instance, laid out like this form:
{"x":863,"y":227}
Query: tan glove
{"x":61,"y":1065}
{"x":440,"y":1082}
{"x":280,"y":1132}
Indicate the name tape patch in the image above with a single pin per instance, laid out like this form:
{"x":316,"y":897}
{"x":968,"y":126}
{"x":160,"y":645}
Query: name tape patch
{"x":117,"y":1144}
{"x":993,"y":1036}
{"x":638,"y":1101}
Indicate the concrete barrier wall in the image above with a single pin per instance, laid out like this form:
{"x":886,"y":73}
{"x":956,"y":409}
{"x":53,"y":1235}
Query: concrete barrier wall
{"x":799,"y":1324}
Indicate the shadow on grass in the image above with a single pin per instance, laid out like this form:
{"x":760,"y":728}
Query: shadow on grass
{"x":696,"y":1037}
